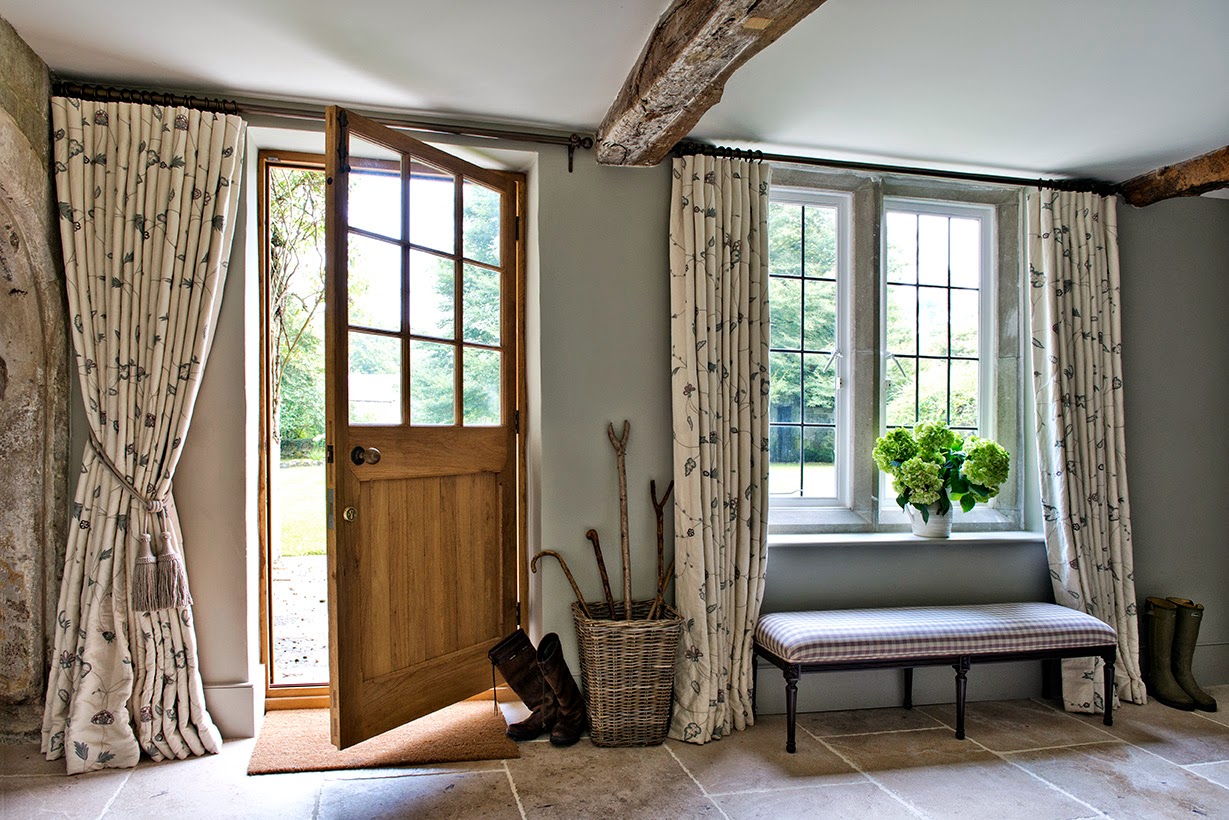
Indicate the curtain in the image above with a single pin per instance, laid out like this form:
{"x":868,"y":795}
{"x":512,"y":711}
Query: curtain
{"x":147,"y":198}
{"x":719,"y":386}
{"x":1077,"y":369}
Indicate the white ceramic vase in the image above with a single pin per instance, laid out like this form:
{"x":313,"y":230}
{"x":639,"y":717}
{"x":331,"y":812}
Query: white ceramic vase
{"x":938,"y":526}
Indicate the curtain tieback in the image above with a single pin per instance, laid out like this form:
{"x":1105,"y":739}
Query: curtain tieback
{"x":159,"y":580}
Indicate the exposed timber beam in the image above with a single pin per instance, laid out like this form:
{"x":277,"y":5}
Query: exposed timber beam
{"x":1193,"y":177}
{"x":683,"y":69}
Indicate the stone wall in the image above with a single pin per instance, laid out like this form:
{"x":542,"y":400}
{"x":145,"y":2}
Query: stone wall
{"x":33,"y":390}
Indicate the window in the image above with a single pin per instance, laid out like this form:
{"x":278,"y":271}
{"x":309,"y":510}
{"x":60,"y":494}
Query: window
{"x":886,"y":309}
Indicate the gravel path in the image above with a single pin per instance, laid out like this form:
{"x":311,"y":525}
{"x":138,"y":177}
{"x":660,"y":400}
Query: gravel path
{"x":301,"y":621}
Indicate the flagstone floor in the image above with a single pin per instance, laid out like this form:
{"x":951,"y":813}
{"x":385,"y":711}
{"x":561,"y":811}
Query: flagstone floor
{"x":1023,"y":759}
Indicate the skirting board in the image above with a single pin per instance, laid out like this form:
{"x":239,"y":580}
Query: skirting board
{"x":237,"y":709}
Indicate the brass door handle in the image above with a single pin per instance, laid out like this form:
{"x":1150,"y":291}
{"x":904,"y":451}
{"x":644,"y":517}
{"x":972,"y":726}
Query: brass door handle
{"x":349,"y":513}
{"x":365,"y":455}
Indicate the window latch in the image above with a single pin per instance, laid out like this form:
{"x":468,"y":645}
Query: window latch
{"x":836,"y":354}
{"x":899,"y":366}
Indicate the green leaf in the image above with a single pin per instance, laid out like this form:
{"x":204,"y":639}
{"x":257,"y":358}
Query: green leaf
{"x":967,"y":503}
{"x":945,"y":503}
{"x":925,"y":510}
{"x":903,"y":500}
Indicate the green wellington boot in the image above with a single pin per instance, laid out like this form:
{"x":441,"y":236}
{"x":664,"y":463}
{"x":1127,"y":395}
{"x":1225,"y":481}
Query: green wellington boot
{"x":1186,"y":633}
{"x":1161,"y":618}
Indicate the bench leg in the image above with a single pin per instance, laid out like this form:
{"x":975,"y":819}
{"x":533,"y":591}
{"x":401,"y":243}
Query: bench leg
{"x":908,"y":687}
{"x":792,"y":674}
{"x":962,"y":670}
{"x":1109,"y":690}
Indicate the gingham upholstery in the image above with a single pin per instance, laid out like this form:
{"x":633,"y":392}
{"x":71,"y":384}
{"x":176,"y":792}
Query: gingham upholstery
{"x":832,"y":636}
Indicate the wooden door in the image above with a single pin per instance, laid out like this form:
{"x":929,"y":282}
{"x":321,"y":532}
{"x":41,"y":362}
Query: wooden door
{"x":422,"y":348}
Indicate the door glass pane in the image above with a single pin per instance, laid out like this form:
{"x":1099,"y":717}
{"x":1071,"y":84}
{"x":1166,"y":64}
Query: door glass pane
{"x":480,"y":305}
{"x":820,"y":322}
{"x":375,"y":199}
{"x":784,"y":239}
{"x":819,"y":462}
{"x":432,"y":383}
{"x":932,"y":249}
{"x":432,"y":208}
{"x":902,"y":247}
{"x":785,"y":394}
{"x":818,"y":389}
{"x":784,"y":460}
{"x":374,"y":288}
{"x":375,"y":379}
{"x":482,"y":387}
{"x":481,"y":223}
{"x":432,"y":295}
{"x":820,"y":243}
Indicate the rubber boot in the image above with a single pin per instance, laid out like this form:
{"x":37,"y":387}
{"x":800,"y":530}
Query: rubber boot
{"x":1186,"y":633}
{"x":1162,"y":615}
{"x":571,"y":721}
{"x":517,"y":661}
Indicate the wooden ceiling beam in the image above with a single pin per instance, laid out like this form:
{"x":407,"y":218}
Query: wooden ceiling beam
{"x":1193,"y":177}
{"x":695,"y":48}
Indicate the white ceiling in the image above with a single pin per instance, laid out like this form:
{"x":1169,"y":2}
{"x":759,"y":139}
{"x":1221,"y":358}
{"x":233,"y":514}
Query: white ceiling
{"x":1100,"y":88}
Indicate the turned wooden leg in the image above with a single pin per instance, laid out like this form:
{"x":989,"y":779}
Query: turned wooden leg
{"x":962,"y":671}
{"x":791,"y":706}
{"x":1109,"y":689}
{"x":908,"y":687}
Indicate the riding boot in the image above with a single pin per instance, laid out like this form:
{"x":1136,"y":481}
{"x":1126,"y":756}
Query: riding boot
{"x":1186,"y":632}
{"x":517,"y":661}
{"x":571,"y":722}
{"x":1161,"y":616}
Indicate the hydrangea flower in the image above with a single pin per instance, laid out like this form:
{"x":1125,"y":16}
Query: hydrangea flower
{"x":898,"y":445}
{"x":933,"y":437}
{"x":985,"y":463}
{"x":921,"y":478}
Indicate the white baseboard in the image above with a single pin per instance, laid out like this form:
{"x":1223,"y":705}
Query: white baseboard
{"x":237,"y":709}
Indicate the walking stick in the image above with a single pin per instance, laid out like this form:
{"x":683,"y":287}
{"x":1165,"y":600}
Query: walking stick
{"x":533,"y":567}
{"x":659,"y":508}
{"x":601,"y":568}
{"x":620,"y":448}
{"x":662,"y":583}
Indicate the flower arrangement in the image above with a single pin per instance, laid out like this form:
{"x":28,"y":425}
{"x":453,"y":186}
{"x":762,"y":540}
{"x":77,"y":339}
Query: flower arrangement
{"x":933,"y":465}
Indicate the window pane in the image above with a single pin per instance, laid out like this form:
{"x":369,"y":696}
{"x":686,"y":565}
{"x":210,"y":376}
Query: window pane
{"x":374,"y":287}
{"x":819,"y":462}
{"x":482,"y":387}
{"x":965,"y":309}
{"x":432,"y":383}
{"x":432,"y":208}
{"x":432,"y":299}
{"x":932,"y":249}
{"x":964,"y":394}
{"x":902,"y":319}
{"x":932,"y":321}
{"x":818,"y":389}
{"x":481,"y":223}
{"x":375,"y":188}
{"x":481,"y":304}
{"x":820,"y":241}
{"x":902,"y":247}
{"x":785,"y":312}
{"x":932,"y":395}
{"x":784,"y":239}
{"x":966,"y":253}
{"x":375,"y":379}
{"x":901,"y":395}
{"x":784,"y":460}
{"x":785,"y":394}
{"x":820,"y":319}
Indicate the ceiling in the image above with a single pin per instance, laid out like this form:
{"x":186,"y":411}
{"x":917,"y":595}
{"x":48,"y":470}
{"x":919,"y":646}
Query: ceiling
{"x":1092,"y":88}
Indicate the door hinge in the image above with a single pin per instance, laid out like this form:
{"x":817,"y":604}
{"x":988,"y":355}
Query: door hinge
{"x":328,"y":454}
{"x":516,"y":422}
{"x":519,"y":237}
{"x":518,"y":613}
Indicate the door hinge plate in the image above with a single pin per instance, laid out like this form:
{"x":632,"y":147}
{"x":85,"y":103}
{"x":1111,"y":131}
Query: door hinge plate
{"x":516,"y":422}
{"x":328,"y":454}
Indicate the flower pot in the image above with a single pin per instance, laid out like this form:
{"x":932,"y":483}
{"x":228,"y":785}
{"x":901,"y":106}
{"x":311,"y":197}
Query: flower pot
{"x":938,"y":526}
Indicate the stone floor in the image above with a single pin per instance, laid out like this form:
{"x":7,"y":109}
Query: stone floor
{"x":1023,"y":759}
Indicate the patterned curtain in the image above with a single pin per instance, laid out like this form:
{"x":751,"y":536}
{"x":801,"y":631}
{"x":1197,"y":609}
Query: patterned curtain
{"x":719,"y":365}
{"x":1077,"y":369}
{"x":147,"y":198}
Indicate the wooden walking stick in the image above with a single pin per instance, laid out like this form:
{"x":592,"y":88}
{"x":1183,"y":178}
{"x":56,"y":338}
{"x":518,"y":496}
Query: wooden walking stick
{"x":601,"y":568}
{"x":620,"y":448}
{"x":663,"y":581}
{"x":659,"y":508}
{"x":533,"y":567}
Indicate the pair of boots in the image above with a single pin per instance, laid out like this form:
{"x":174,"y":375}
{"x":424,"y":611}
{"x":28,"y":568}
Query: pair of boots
{"x":1173,"y":627}
{"x":541,"y":679}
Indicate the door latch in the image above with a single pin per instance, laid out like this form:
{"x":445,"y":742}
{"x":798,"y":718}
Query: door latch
{"x":365,"y":455}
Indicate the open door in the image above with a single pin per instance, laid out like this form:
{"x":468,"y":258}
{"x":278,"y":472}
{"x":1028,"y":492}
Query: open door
{"x":422,"y":374}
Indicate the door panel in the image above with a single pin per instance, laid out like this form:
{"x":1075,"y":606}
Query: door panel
{"x":422,"y":275}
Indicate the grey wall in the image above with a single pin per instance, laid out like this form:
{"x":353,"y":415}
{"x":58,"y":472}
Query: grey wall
{"x":1175,"y":304}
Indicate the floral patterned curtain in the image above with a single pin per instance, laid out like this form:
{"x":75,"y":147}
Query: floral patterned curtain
{"x":719,"y":381}
{"x":147,"y":198}
{"x":1077,"y":370}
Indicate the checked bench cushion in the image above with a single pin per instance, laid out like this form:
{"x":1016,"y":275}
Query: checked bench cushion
{"x":831,"y":636}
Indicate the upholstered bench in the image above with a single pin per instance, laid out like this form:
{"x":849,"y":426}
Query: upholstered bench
{"x":908,"y":637}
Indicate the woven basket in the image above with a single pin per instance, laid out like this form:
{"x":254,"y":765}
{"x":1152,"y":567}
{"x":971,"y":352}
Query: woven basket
{"x":627,"y":668}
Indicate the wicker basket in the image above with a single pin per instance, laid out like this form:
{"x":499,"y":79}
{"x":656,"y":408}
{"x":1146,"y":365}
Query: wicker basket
{"x":627,"y":668}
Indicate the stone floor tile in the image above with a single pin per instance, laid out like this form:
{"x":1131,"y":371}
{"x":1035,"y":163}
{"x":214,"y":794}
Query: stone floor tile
{"x":1221,"y":693}
{"x":1179,"y":737}
{"x":584,"y":781}
{"x":861,"y":721}
{"x":1216,"y":772}
{"x":215,"y":786}
{"x":1127,"y":783}
{"x":862,"y":800}
{"x":949,"y":778}
{"x":84,"y":796}
{"x":26,"y":759}
{"x":756,"y":759}
{"x":466,"y":767}
{"x":1015,"y":725}
{"x":435,"y":796}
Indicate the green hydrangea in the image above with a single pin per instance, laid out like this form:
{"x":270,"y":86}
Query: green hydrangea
{"x":933,"y":437}
{"x":898,"y":445}
{"x":921,"y":478}
{"x":986,"y":463}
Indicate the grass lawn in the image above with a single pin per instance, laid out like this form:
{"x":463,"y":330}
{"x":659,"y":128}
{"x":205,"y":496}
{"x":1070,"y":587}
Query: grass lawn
{"x":300,"y":492}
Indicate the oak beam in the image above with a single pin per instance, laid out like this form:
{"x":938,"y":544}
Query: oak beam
{"x":1193,"y":177}
{"x":695,"y":48}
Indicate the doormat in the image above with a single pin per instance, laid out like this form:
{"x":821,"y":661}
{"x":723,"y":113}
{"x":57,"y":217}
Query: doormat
{"x":297,"y":740}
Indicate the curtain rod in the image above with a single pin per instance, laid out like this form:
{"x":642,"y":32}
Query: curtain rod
{"x":1090,"y":185}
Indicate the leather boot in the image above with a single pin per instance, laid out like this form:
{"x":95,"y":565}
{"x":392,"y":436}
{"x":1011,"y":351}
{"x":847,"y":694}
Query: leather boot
{"x":517,"y":661}
{"x":1186,"y":632}
{"x":1161,"y":616}
{"x":571,"y":721}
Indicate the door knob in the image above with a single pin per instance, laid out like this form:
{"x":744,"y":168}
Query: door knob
{"x":365,"y":455}
{"x":349,"y":513}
